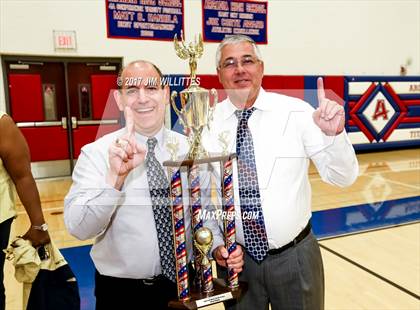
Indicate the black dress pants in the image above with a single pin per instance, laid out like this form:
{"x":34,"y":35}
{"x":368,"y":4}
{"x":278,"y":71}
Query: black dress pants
{"x":4,"y":240}
{"x":120,"y":293}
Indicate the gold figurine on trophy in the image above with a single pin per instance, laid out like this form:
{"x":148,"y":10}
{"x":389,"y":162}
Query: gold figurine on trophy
{"x":172,"y":145}
{"x":224,"y":141}
{"x":203,"y":240}
{"x":192,"y":52}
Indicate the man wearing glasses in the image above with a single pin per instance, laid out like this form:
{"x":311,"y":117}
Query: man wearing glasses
{"x":274,"y":137}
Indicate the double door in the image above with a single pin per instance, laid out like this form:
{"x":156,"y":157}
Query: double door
{"x":60,"y":105}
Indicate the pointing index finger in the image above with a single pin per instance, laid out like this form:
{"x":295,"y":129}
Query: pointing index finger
{"x":321,"y":91}
{"x":129,"y":121}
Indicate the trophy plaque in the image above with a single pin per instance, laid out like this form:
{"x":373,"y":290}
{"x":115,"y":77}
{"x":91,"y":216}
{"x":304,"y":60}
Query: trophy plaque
{"x":195,"y":114}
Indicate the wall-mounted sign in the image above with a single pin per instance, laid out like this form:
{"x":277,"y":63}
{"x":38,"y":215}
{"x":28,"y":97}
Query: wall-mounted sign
{"x":144,"y":19}
{"x":221,"y":18}
{"x":64,"y":40}
{"x":383,"y":111}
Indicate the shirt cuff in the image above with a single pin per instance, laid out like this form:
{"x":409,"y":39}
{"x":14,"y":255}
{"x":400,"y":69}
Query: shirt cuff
{"x":339,"y":141}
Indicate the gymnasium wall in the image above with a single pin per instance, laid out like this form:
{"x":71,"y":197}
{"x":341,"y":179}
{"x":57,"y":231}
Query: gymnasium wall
{"x":304,"y":37}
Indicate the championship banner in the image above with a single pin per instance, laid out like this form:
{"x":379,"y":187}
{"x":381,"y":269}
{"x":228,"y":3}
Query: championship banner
{"x":144,"y":19}
{"x":221,"y":18}
{"x":383,"y":111}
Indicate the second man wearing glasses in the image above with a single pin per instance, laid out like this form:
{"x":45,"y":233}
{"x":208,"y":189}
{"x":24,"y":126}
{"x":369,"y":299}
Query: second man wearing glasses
{"x":274,"y":137}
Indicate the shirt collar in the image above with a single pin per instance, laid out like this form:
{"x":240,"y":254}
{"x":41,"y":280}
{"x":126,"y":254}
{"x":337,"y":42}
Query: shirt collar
{"x":260,"y":104}
{"x":160,"y":137}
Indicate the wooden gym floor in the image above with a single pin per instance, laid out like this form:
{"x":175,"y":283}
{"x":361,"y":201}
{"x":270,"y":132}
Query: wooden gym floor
{"x":371,"y":252}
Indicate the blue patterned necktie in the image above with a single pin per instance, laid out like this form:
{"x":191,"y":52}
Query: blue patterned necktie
{"x":249,"y":193}
{"x":159,"y":193}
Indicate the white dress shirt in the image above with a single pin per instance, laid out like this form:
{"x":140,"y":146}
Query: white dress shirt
{"x":122,"y":222}
{"x":285,"y":138}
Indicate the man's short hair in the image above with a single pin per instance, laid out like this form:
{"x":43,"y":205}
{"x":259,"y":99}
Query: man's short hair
{"x":235,"y":39}
{"x":120,"y":73}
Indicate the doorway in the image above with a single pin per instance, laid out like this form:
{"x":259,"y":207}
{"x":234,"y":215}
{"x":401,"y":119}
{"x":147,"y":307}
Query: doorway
{"x":60,"y":104}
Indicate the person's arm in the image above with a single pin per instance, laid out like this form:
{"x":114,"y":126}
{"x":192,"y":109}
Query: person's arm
{"x":336,"y":162}
{"x":327,"y":144}
{"x":91,"y":202}
{"x":15,"y":155}
{"x":97,"y":180}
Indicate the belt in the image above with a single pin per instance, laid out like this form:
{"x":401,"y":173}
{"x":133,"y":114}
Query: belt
{"x":128,"y":281}
{"x":150,"y":281}
{"x":305,"y":232}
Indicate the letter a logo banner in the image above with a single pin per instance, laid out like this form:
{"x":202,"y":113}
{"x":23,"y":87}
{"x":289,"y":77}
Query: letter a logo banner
{"x":377,"y":112}
{"x":380,"y":110}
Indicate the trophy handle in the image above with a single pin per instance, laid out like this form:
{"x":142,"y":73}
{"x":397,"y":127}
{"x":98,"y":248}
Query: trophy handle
{"x":215,"y":100}
{"x":177,"y":111}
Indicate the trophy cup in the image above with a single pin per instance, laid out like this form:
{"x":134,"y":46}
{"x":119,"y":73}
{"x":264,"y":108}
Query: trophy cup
{"x":195,"y":114}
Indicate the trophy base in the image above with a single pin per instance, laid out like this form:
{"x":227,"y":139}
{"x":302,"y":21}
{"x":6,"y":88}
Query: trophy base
{"x":199,"y":299}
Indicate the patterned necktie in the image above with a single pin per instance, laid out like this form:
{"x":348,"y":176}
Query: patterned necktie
{"x":159,"y":193}
{"x":249,"y":193}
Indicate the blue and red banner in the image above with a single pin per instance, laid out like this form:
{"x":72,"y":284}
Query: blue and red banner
{"x":221,"y":18}
{"x":145,"y":19}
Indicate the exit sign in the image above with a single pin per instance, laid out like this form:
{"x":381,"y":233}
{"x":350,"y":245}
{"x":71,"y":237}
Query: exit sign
{"x":65,"y":40}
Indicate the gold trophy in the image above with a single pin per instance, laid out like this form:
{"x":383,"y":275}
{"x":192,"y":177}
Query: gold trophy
{"x":195,"y":114}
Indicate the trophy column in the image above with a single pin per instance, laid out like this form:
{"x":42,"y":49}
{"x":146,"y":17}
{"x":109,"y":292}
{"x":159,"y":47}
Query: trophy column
{"x":196,"y":221}
{"x":178,"y":220}
{"x":229,"y":211}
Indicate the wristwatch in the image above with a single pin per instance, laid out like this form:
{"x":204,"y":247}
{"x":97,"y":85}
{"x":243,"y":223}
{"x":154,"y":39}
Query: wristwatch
{"x":43,"y":227}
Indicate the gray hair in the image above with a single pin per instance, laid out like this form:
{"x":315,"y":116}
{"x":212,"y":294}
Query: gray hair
{"x":235,"y":39}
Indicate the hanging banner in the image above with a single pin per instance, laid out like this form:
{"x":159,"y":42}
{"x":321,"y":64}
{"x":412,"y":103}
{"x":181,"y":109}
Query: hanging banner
{"x":221,"y":18}
{"x":145,"y":19}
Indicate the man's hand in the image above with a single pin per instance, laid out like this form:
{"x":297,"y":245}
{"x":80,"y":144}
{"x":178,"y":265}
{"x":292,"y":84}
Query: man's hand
{"x":37,"y":237}
{"x":330,"y":115}
{"x":124,"y":154}
{"x":233,"y":261}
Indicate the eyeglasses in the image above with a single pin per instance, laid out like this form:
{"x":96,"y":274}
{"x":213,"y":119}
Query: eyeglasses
{"x":246,"y":62}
